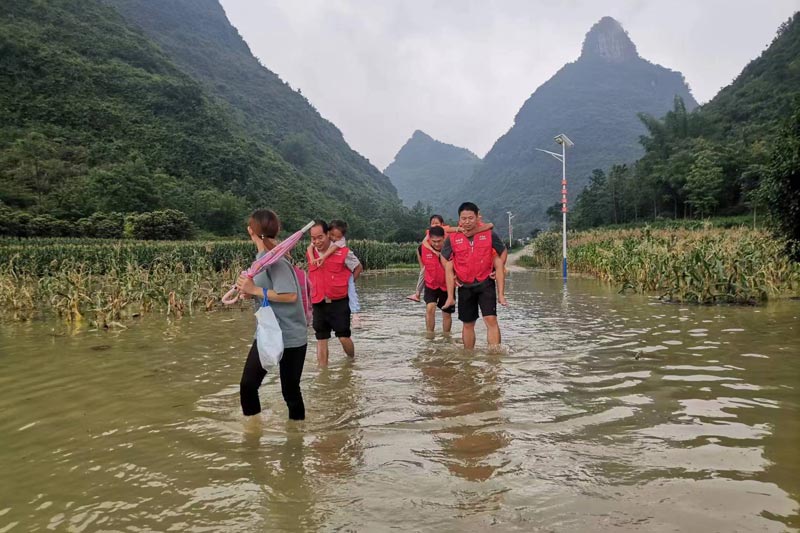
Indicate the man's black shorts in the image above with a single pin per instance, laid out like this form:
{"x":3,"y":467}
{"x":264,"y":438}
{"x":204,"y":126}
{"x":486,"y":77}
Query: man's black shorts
{"x":483,"y":296}
{"x":439,"y":297}
{"x":331,"y":316}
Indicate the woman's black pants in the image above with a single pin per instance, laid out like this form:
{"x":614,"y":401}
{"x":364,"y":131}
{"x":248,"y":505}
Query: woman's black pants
{"x":291,"y":368}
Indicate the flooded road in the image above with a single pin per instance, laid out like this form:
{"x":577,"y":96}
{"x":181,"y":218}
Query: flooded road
{"x":604,"y":412}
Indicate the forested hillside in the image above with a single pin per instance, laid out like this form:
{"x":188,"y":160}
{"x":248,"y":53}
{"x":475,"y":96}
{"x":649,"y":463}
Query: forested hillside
{"x":96,"y":119}
{"x":197,"y":36}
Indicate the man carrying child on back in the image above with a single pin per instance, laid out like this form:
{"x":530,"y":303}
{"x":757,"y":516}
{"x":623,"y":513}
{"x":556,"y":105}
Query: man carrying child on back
{"x":469,"y":262}
{"x":337,"y":230}
{"x":329,"y":290}
{"x":435,"y":281}
{"x":437,"y":221}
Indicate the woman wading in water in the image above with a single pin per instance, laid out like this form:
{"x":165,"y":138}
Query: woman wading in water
{"x":283,"y":291}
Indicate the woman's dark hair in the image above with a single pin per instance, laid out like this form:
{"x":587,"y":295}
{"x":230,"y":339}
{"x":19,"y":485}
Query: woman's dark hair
{"x":437,"y":217}
{"x":341,"y":225}
{"x":436,"y":231}
{"x":265,"y":223}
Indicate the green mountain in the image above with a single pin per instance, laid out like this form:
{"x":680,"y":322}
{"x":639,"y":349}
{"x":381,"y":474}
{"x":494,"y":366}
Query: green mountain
{"x":96,"y":117}
{"x":713,"y":160}
{"x":595,"y":101}
{"x":197,"y":36}
{"x":426,"y":170}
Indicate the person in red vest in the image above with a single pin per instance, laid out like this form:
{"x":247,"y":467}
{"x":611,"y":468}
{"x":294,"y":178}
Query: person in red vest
{"x":329,"y":280}
{"x":435,"y":293}
{"x":436,"y":220}
{"x":470,"y":259}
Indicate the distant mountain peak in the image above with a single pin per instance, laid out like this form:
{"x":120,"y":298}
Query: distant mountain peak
{"x":420,"y":135}
{"x":608,"y":40}
{"x":426,"y":169}
{"x":594,"y":100}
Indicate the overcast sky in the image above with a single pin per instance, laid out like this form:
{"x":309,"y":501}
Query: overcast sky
{"x":460,"y":69}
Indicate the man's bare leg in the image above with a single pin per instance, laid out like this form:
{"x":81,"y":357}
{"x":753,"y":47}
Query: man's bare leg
{"x":492,"y":330}
{"x":322,"y":352}
{"x":447,"y":322}
{"x":468,"y":335}
{"x":349,"y":347}
{"x":430,"y":317}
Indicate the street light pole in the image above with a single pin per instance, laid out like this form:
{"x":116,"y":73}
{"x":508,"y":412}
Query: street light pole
{"x":564,"y":141}
{"x":564,"y":209}
{"x":510,"y":232}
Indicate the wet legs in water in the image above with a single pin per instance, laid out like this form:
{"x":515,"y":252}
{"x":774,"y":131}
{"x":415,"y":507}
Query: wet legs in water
{"x":492,"y":332}
{"x":468,"y":335}
{"x":430,"y":319}
{"x":291,"y":368}
{"x":322,"y":349}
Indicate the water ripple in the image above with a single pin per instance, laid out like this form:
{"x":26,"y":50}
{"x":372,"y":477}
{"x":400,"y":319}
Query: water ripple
{"x":602,"y":412}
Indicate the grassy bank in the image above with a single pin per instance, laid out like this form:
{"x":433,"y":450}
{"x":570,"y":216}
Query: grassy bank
{"x":102,"y":282}
{"x":709,"y":265}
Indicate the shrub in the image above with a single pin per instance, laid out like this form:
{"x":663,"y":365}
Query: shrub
{"x":166,"y":225}
{"x":102,"y":226}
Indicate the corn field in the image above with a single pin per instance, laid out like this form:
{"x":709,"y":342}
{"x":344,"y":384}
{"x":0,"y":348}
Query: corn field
{"x":102,"y":282}
{"x":702,"y":266}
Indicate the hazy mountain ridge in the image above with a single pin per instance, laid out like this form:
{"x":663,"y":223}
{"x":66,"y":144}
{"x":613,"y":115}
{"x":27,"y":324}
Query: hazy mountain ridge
{"x":93,"y":117}
{"x":426,"y":170}
{"x":762,"y":95}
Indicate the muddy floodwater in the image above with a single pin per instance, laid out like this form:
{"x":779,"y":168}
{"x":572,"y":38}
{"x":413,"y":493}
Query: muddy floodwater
{"x":603,"y":412}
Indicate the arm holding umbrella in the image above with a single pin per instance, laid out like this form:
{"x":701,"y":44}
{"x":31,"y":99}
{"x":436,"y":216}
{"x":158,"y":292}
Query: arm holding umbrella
{"x":269,"y":258}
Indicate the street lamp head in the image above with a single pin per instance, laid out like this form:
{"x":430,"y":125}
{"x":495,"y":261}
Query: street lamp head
{"x":563,"y":139}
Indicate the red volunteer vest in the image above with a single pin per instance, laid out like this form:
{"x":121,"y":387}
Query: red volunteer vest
{"x":329,"y":280}
{"x":434,"y":271}
{"x":473,"y":261}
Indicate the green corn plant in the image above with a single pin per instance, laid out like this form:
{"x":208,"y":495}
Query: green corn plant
{"x":703,"y":265}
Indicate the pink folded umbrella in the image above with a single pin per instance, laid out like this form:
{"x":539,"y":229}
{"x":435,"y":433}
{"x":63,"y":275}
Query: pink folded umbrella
{"x":267,"y":259}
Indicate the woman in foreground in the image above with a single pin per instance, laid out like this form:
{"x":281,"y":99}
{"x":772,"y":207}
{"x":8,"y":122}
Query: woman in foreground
{"x":279,"y":284}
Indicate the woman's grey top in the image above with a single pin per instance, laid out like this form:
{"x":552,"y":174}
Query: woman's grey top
{"x":280,"y":277}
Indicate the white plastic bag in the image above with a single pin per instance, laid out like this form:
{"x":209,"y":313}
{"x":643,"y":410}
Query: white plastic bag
{"x":269,"y":338}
